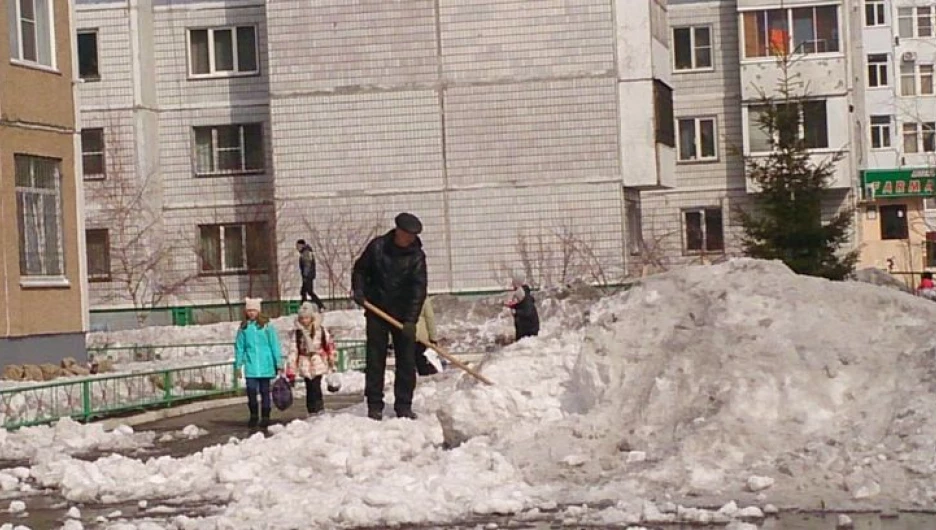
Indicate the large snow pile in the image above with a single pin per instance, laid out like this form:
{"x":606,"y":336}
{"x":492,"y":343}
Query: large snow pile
{"x":700,"y":385}
{"x":725,"y":372}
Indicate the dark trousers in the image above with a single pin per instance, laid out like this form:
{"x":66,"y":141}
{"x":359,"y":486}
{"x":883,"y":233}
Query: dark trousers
{"x":423,"y":366}
{"x":258,"y":385}
{"x":314,"y":400}
{"x":378,"y":338}
{"x":308,"y":290}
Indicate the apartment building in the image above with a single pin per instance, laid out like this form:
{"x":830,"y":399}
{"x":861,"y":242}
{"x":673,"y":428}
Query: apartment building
{"x":42,"y":306}
{"x":522,"y":135}
{"x":898,"y":210}
{"x":724,"y":62}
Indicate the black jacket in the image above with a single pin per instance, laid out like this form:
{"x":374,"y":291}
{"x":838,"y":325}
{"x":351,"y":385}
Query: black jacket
{"x":526,"y":317}
{"x":392,"y":278}
{"x":307,"y":263}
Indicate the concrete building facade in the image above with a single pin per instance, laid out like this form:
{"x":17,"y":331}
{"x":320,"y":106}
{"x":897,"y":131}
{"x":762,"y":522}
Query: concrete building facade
{"x":43,"y":311}
{"x":724,"y":63}
{"x":522,"y":135}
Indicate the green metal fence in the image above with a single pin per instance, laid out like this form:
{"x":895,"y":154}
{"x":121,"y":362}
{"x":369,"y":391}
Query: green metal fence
{"x":94,"y":397}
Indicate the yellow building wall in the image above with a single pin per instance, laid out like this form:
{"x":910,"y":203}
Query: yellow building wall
{"x":907,"y":256}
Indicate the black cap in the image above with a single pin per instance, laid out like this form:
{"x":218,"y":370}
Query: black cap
{"x":408,"y":223}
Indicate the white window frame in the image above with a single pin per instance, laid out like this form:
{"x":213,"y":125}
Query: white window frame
{"x":225,"y":267}
{"x":685,"y":230}
{"x":697,"y":139}
{"x":917,"y":77}
{"x":212,"y":71}
{"x":881,"y":131}
{"x":14,"y":8}
{"x":102,"y":154}
{"x":693,"y":49}
{"x":97,"y":54}
{"x":880,"y":13}
{"x":915,"y":18}
{"x":920,"y":130}
{"x":45,"y":194}
{"x":246,"y":248}
{"x":880,"y":68}
{"x":215,"y":150}
{"x":789,"y":24}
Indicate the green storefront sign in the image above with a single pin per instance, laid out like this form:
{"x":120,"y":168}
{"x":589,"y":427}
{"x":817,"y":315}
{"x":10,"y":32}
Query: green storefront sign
{"x":893,"y":183}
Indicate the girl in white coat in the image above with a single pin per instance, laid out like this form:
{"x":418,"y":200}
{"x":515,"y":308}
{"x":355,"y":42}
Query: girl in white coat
{"x":312,"y":355}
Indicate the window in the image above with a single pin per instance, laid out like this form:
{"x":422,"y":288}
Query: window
{"x":39,"y":212}
{"x":31,"y":31}
{"x":907,"y":79}
{"x":880,"y":132}
{"x":929,"y":204}
{"x":877,"y":70}
{"x":704,"y":231}
{"x":930,"y":250}
{"x":227,"y":149}
{"x":663,"y":112}
{"x":919,"y":137}
{"x":223,"y":51}
{"x":98,"y":249}
{"x":911,"y":138}
{"x":915,"y":22}
{"x":692,"y":48}
{"x":905,"y":22}
{"x":894,"y":222}
{"x":813,"y":127}
{"x":768,"y":32}
{"x":88,"y":56}
{"x":875,"y":13}
{"x":92,"y":154}
{"x":697,"y":139}
{"x":926,"y":79}
{"x":233,"y":248}
{"x":924,"y":21}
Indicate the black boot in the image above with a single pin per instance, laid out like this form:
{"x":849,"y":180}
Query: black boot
{"x":264,"y":418}
{"x":375,"y":413}
{"x":406,"y":412}
{"x":316,"y":407}
{"x":254,"y":419}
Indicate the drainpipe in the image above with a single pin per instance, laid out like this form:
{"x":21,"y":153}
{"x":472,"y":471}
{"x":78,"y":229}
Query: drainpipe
{"x":77,"y":172}
{"x":6,"y":267}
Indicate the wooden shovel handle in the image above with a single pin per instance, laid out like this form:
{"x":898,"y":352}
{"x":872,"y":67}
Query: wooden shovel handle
{"x":438,"y":349}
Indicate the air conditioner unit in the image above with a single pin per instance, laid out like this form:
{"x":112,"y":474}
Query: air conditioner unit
{"x":908,"y":57}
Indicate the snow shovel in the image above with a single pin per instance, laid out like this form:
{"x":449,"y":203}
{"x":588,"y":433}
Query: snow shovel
{"x":438,"y":349}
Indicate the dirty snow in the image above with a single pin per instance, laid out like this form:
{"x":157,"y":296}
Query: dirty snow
{"x":695,"y":387}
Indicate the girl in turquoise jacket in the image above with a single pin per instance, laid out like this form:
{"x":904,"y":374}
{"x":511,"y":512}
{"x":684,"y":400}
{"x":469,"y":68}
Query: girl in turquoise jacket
{"x":257,"y":352}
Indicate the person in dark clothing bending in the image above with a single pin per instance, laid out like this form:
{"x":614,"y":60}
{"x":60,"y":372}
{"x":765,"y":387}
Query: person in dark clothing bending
{"x":391,"y":274}
{"x":307,"y":270}
{"x":523,"y":306}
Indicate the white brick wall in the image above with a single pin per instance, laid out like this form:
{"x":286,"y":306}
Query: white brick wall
{"x":550,"y":132}
{"x":115,"y":88}
{"x":357,"y":143}
{"x":510,"y":39}
{"x":174,"y":87}
{"x":329,"y":44}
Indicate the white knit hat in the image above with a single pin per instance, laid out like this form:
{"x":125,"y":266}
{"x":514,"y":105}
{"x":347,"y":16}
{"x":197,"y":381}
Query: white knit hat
{"x":307,"y":310}
{"x":252,"y":303}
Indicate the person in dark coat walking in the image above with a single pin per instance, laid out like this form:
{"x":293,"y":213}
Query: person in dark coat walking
{"x":523,"y":306}
{"x":391,"y":274}
{"x":307,"y":270}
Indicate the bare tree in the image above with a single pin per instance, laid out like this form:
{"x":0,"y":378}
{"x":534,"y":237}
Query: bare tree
{"x":338,"y":237}
{"x":141,"y":256}
{"x":560,"y":254}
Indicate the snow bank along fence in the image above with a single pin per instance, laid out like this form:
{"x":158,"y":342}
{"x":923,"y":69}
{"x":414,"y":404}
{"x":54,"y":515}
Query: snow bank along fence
{"x":100,"y":396}
{"x":350,"y":352}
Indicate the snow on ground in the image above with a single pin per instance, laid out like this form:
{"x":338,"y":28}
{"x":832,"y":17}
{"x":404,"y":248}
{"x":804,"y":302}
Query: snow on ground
{"x":696,"y":386}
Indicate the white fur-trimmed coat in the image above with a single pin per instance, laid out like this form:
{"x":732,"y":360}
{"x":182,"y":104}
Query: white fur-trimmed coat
{"x":313,"y":351}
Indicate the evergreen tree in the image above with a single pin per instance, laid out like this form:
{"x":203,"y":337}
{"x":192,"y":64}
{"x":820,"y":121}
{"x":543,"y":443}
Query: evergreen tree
{"x":786,"y":220}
